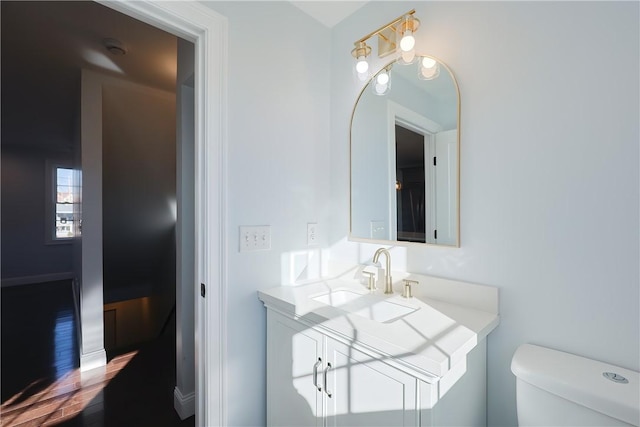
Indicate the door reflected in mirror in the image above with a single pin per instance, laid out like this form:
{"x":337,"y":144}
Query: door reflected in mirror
{"x":410,"y":185}
{"x":405,"y":158}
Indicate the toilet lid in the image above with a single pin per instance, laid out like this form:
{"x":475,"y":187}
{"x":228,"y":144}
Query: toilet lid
{"x":590,"y":383}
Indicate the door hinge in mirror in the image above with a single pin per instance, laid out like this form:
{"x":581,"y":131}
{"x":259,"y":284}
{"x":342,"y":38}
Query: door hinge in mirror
{"x":435,"y":234}
{"x":434,"y":161}
{"x":202,"y":289}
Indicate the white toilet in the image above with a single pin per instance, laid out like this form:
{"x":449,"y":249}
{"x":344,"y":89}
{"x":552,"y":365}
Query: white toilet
{"x":554,"y":388}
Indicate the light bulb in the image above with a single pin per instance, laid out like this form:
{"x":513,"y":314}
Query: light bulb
{"x":380,"y":89}
{"x":427,"y":73}
{"x":407,"y":42}
{"x":382,"y":78}
{"x":407,"y":58}
{"x":429,"y":69}
{"x":428,"y":62}
{"x":362,"y":66}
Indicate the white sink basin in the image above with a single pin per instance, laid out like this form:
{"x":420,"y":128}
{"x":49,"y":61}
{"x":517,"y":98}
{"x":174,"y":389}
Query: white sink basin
{"x":374,"y":309}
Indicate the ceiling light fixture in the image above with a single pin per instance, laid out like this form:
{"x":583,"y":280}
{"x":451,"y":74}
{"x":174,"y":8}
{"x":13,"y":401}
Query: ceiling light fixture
{"x":114,"y":46}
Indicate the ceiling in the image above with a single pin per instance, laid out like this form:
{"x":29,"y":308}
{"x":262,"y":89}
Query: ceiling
{"x":44,"y":46}
{"x":329,"y":12}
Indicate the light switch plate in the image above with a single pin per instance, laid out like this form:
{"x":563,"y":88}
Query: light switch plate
{"x":255,"y":238}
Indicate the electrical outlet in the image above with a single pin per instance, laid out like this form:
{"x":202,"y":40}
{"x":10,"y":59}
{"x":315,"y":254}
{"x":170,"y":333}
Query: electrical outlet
{"x":312,"y":234}
{"x":255,"y":238}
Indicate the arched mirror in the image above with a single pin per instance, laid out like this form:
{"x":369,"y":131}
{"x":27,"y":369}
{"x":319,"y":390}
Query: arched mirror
{"x":405,"y":148}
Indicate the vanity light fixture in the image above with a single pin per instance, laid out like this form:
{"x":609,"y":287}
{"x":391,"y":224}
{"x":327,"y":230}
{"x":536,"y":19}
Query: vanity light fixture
{"x":408,"y":26}
{"x":402,"y":27}
{"x":361,"y":52}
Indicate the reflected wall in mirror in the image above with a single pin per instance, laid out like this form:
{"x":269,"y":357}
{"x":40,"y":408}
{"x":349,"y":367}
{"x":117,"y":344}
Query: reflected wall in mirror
{"x":405,"y":157}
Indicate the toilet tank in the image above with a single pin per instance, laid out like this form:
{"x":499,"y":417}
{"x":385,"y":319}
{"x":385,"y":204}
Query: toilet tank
{"x":554,"y":388}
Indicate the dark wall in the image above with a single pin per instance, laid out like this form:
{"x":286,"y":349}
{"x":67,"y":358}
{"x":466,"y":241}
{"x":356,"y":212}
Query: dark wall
{"x":139,"y":191}
{"x":23,"y":215}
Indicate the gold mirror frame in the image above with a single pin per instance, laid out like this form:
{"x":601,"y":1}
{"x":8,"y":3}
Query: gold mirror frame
{"x":455,"y":242}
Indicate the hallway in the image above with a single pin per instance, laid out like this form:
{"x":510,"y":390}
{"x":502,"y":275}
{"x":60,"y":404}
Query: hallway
{"x":41,"y":383}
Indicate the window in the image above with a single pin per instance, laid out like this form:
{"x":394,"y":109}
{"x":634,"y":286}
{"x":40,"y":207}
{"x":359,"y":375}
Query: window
{"x":63,"y":208}
{"x":66,"y":200}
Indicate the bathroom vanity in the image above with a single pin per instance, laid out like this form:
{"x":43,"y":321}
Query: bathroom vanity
{"x":339,"y":354}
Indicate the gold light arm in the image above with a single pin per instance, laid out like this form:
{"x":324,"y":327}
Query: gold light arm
{"x":384,"y":27}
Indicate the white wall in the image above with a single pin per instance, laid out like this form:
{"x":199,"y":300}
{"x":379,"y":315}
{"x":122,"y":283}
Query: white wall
{"x":278,"y":163}
{"x":184,"y":393}
{"x":89,"y":249}
{"x":549,"y":170}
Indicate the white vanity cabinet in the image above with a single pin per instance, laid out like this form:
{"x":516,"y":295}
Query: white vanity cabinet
{"x":315,"y":380}
{"x":338,"y":361}
{"x":293,"y":352}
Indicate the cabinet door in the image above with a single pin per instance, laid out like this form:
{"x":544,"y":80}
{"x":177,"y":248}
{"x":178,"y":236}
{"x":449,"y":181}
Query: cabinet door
{"x":365,"y":391}
{"x":292,"y":351}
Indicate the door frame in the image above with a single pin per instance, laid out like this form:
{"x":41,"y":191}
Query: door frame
{"x":208,"y":30}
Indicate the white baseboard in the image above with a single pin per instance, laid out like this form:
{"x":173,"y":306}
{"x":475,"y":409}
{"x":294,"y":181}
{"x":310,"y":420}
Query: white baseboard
{"x":40,"y":278}
{"x":185,"y":406}
{"x":95,"y":359}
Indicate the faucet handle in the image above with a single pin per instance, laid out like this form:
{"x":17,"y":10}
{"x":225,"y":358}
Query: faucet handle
{"x":407,"y":287}
{"x":371,"y":283}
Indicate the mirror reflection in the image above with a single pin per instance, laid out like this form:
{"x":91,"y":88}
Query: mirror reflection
{"x":405,"y":156}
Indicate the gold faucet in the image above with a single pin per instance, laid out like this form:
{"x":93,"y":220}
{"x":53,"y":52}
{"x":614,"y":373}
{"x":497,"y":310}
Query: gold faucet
{"x":388,"y":288}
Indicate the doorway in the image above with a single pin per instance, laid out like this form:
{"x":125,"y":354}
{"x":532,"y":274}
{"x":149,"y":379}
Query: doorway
{"x":411,"y":185}
{"x":208,"y":30}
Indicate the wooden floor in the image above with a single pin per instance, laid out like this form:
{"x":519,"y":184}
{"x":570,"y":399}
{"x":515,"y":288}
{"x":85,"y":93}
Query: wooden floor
{"x":41,"y":382}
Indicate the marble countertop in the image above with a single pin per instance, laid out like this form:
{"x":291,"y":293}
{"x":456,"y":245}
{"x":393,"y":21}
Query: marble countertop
{"x":446,"y":319}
